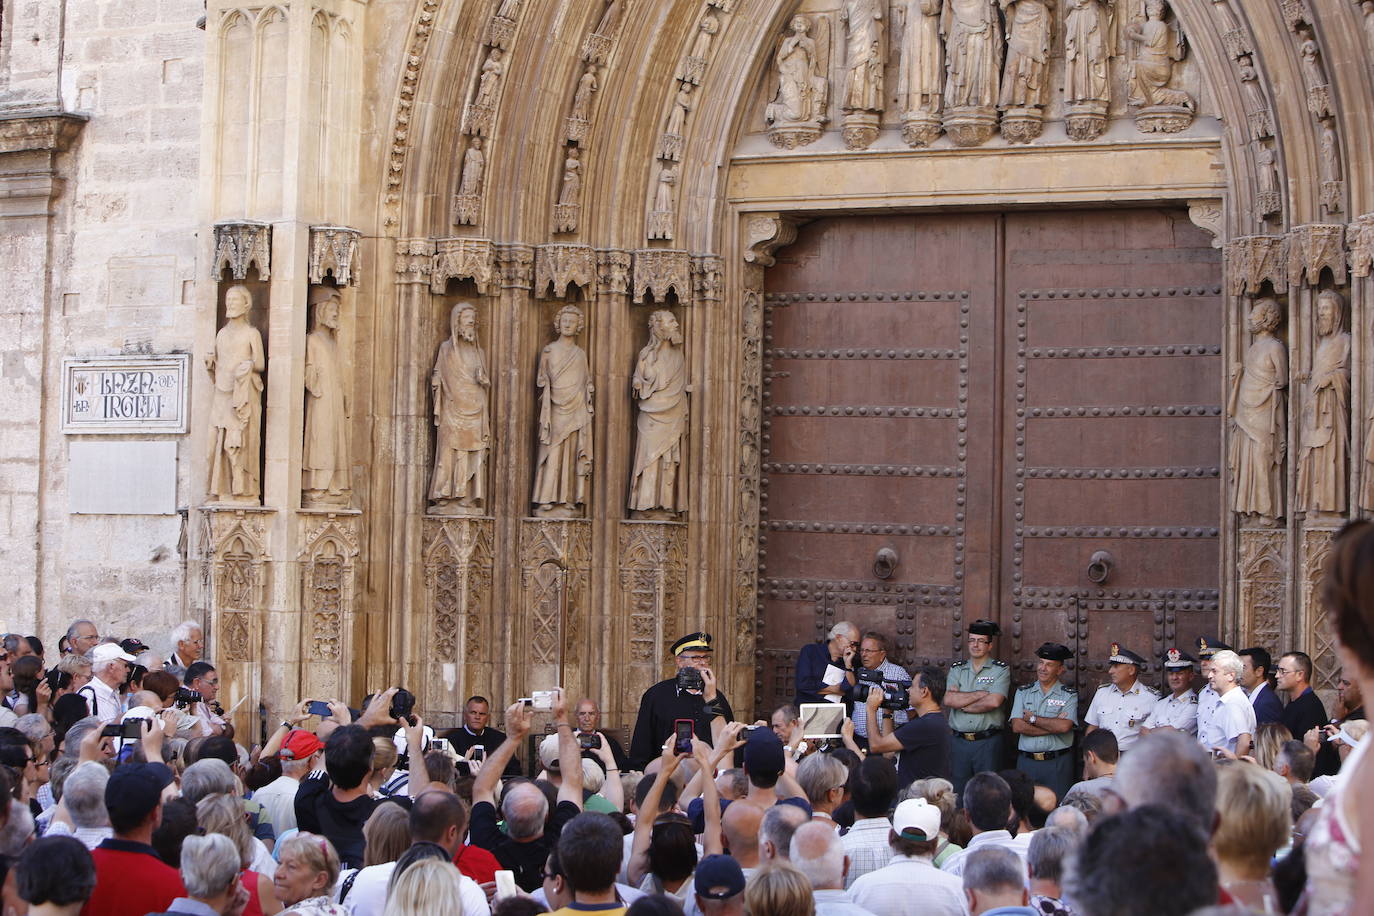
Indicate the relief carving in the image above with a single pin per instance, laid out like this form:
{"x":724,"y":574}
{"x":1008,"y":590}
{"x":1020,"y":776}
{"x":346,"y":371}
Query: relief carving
{"x":1025,"y":83}
{"x":1361,"y":236}
{"x":326,"y":464}
{"x":1087,"y":52}
{"x":236,"y":365}
{"x":329,"y":557}
{"x":567,"y":212}
{"x":709,"y":271}
{"x":1316,"y":547}
{"x":555,"y":558}
{"x":561,"y":266}
{"x":1263,"y":588}
{"x":481,"y":112}
{"x":334,"y":250}
{"x":613,"y":270}
{"x":515,"y":265}
{"x":653,"y":586}
{"x":414,"y":260}
{"x":461,"y":390}
{"x":1314,"y":247}
{"x":1259,"y":419}
{"x":750,"y":414}
{"x":1324,"y":457}
{"x":797,"y":113}
{"x":921,"y":79}
{"x":660,"y":271}
{"x":467,"y":202}
{"x":864,"y":62}
{"x":563,"y":468}
{"x":659,"y":386}
{"x":238,"y":580}
{"x":1159,"y":44}
{"x":694,"y":67}
{"x":461,"y":259}
{"x":1253,"y":260}
{"x":239,"y":246}
{"x":663,"y":214}
{"x":457,"y":575}
{"x":973,"y":66}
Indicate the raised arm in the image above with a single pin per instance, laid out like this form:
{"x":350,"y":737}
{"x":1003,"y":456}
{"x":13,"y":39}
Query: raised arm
{"x":612,"y":790}
{"x":517,"y":727}
{"x":710,"y":840}
{"x":569,"y":755}
{"x":648,"y":813}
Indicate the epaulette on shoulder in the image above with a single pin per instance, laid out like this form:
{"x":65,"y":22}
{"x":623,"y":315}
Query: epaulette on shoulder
{"x":1068,"y":689}
{"x":998,"y":663}
{"x":959,"y":664}
{"x":1194,"y":699}
{"x":1027,"y":686}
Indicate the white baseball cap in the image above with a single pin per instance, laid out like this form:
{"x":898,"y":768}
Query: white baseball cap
{"x":108,"y":651}
{"x":916,"y":816}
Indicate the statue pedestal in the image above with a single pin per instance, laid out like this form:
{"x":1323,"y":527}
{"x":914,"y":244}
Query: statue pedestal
{"x":792,"y":134}
{"x":1085,"y":120}
{"x":969,"y":126}
{"x":566,"y":217}
{"x":1166,"y":119}
{"x":1022,"y":125}
{"x":861,"y":128}
{"x":452,"y":657}
{"x":921,"y":128}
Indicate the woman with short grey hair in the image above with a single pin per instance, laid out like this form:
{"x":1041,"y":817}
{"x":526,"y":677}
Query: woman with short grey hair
{"x":210,"y":776}
{"x":210,"y":871}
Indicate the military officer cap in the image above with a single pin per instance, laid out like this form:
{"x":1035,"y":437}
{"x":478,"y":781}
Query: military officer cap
{"x":1122,"y":656}
{"x":1176,"y":658}
{"x":1207,"y":647}
{"x":984,"y":628}
{"x":1054,"y":652}
{"x":700,"y":642}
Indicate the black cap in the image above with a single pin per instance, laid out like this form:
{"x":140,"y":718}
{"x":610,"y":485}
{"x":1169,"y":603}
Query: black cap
{"x":135,"y":789}
{"x":763,"y":753}
{"x":133,"y":645}
{"x":701,"y":642}
{"x":719,"y":877}
{"x":1054,"y":652}
{"x":984,"y":628}
{"x":1207,"y":647}
{"x":1177,"y":658}
{"x":1122,"y":656}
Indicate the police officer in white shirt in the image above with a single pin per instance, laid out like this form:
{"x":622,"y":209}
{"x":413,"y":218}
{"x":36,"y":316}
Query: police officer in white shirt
{"x":1179,"y":709}
{"x":1123,"y":705}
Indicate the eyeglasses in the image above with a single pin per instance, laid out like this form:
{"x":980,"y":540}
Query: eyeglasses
{"x":548,"y":875}
{"x":1285,"y":670}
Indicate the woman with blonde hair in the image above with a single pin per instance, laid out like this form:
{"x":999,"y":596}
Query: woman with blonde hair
{"x":384,"y":758}
{"x":225,"y":814}
{"x":1269,"y":738}
{"x":778,"y":889}
{"x":940,"y":793}
{"x":306,"y":876}
{"x":427,"y":888}
{"x":1254,"y":809}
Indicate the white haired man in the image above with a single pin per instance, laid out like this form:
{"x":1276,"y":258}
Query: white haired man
{"x":1227,"y":723}
{"x":109,"y":669}
{"x":82,"y":637}
{"x":188,"y":647}
{"x":825,"y":671}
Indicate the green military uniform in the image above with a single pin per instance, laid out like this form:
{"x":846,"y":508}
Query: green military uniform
{"x":977,"y":736}
{"x":1048,"y":759}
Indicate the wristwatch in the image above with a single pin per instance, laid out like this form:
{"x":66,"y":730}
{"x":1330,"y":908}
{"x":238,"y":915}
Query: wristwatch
{"x":1031,"y":720}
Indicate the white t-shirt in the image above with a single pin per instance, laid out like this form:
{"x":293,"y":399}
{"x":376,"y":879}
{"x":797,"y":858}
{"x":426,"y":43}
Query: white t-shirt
{"x":367,"y":897}
{"x":1230,"y":717}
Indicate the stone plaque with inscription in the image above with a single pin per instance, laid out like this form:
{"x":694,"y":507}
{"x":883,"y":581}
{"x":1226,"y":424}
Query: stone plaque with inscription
{"x":124,"y":394}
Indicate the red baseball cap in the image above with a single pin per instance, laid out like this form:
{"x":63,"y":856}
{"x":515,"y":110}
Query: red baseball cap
{"x":299,"y":745}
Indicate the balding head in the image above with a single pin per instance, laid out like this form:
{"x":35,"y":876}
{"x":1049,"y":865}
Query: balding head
{"x":818,"y":853}
{"x":740,"y":824}
{"x":524,"y":808}
{"x":1170,"y":769}
{"x":776,"y":829}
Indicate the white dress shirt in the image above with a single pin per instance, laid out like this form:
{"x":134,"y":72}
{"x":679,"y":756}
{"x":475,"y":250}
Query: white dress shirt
{"x":832,"y":902}
{"x":367,"y":897}
{"x":910,"y":884}
{"x":954,"y":865}
{"x":103,"y":699}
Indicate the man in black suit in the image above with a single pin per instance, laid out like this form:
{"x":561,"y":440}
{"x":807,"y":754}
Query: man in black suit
{"x":680,"y":697}
{"x":1304,"y":710}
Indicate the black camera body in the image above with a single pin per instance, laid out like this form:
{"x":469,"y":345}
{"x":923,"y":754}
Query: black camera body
{"x":185,"y":697}
{"x":690,"y":678}
{"x":895,"y":696}
{"x":403,"y":705}
{"x":58,"y":680}
{"x":589,"y":742}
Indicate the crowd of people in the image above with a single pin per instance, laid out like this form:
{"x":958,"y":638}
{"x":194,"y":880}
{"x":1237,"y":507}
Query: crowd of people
{"x":130,"y":793}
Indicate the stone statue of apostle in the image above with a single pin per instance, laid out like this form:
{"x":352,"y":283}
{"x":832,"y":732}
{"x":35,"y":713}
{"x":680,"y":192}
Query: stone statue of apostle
{"x":657,"y":480}
{"x":462,"y":417}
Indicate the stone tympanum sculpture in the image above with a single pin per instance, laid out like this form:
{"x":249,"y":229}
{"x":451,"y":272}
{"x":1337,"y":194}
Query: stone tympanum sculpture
{"x":1324,"y":455}
{"x":325,"y":461}
{"x":658,"y":484}
{"x":1259,"y":418}
{"x":462,"y":418}
{"x":1159,"y":45}
{"x":1025,"y":83}
{"x":237,"y":364}
{"x":1087,"y":50}
{"x":798,"y":110}
{"x":563,"y":467}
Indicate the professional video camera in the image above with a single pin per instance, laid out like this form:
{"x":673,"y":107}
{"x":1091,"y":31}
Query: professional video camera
{"x":895,"y":695}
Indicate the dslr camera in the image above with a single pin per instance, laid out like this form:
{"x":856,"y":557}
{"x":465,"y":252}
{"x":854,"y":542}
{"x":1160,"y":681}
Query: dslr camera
{"x":185,"y":697}
{"x":690,"y":678}
{"x":402,"y":706}
{"x":895,"y":695}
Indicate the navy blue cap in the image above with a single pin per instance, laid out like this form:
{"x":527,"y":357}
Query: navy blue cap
{"x":135,"y":789}
{"x":719,"y":877}
{"x":763,"y":753}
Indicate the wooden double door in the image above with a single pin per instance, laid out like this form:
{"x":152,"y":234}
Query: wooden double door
{"x":991,"y":400}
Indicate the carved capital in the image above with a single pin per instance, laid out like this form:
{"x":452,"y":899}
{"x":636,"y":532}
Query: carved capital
{"x":52,"y":131}
{"x":516,"y":266}
{"x":661,"y":270}
{"x":1253,"y":259}
{"x":613,"y":270}
{"x":561,"y":266}
{"x":462,"y":259}
{"x":414,"y":260}
{"x":1295,"y":13}
{"x":1361,"y":237}
{"x":241,"y":244}
{"x":764,"y":234}
{"x":1207,"y":215}
{"x":1313,"y":247}
{"x":708,"y":270}
{"x":334,"y":250}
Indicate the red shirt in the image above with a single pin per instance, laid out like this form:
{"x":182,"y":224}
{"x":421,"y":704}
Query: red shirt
{"x":130,"y":880}
{"x":478,"y":864}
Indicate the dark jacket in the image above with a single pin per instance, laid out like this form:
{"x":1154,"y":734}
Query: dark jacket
{"x":1303,"y":713}
{"x":341,"y":823}
{"x":1268,"y":707}
{"x":660,"y":705}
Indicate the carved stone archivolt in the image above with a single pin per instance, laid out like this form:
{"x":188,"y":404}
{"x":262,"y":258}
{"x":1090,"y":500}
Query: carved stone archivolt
{"x":454,"y":647}
{"x":462,"y":259}
{"x":1263,"y":585}
{"x":241,"y":245}
{"x":653,"y":585}
{"x":328,"y":558}
{"x":334,"y":252}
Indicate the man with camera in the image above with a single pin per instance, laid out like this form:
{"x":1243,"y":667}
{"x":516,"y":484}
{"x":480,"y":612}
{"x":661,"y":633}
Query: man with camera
{"x":692,"y":694}
{"x":202,"y":687}
{"x":922,"y":745}
{"x":876,"y":670}
{"x":476,"y":732}
{"x":590,"y":737}
{"x":110,"y":669}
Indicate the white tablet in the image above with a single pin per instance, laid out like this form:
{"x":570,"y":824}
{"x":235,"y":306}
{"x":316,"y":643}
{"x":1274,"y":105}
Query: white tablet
{"x":821,"y":720}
